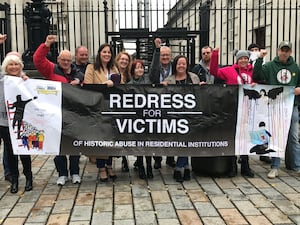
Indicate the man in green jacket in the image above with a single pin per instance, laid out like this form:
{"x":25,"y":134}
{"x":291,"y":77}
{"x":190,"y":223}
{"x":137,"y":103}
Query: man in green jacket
{"x":282,"y":70}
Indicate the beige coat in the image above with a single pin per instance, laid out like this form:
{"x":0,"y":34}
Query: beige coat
{"x":92,"y":76}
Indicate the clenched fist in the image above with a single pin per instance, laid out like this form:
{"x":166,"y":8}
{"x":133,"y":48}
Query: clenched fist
{"x":262,"y":53}
{"x":50,"y":40}
{"x":2,"y":38}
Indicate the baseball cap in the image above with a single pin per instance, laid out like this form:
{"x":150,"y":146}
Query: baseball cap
{"x":285,"y":44}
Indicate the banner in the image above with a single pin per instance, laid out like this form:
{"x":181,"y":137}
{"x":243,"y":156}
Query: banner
{"x":47,"y":117}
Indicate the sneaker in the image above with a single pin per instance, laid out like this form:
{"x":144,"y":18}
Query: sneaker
{"x":61,"y":180}
{"x":273,"y":173}
{"x":76,"y":179}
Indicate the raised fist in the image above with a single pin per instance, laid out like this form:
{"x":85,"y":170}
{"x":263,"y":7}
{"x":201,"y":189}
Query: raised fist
{"x":262,"y":53}
{"x":2,"y":38}
{"x":50,"y":40}
{"x":157,"y":42}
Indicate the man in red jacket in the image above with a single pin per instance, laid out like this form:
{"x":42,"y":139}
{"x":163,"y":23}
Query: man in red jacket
{"x":66,"y":72}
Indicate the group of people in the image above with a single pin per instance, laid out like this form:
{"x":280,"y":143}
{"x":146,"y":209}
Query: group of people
{"x":249,"y":68}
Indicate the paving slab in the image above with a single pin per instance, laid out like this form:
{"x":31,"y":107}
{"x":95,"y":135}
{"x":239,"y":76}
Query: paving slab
{"x":159,"y":201}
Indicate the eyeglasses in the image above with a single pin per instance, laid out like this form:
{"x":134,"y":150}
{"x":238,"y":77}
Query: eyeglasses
{"x":66,"y":60}
{"x":206,"y":53}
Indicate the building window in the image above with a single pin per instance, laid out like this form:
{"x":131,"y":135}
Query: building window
{"x":260,"y":11}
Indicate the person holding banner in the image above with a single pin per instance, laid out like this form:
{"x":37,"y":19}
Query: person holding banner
{"x":254,"y":54}
{"x":138,"y":77}
{"x":283,"y":70}
{"x":66,"y":72}
{"x":12,"y":65}
{"x":123,"y":61}
{"x":103,"y":71}
{"x":162,"y":57}
{"x":81,"y":58}
{"x":239,"y":73}
{"x":181,"y":76}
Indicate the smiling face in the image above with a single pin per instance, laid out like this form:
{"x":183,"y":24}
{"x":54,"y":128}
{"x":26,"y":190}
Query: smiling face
{"x":123,"y":62}
{"x":81,"y":56}
{"x":105,"y":55}
{"x":181,"y":66}
{"x":13,"y":68}
{"x":243,"y":62}
{"x":64,"y":60}
{"x":138,"y":70}
{"x":284,"y":53}
{"x":165,"y":56}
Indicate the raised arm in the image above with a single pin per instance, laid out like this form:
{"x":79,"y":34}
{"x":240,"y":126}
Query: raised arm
{"x":214,"y":65}
{"x":41,"y":63}
{"x":259,"y":73}
{"x":154,"y":71}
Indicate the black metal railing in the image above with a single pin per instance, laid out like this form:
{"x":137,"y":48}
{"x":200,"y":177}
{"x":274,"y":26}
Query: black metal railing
{"x":185,"y":25}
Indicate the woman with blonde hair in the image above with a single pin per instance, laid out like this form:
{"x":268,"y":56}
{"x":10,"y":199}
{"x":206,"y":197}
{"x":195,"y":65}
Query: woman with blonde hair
{"x":12,"y":65}
{"x":123,"y":62}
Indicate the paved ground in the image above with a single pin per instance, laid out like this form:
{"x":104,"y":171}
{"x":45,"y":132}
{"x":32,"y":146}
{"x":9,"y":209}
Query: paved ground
{"x":129,"y":200}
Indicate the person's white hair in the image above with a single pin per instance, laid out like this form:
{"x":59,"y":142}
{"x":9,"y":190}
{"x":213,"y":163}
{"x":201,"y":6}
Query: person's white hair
{"x":9,"y":58}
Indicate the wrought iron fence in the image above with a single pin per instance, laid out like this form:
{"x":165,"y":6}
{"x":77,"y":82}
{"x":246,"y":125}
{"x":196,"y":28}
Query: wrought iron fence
{"x":185,"y":25}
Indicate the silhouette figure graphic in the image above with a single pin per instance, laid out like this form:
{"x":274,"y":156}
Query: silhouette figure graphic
{"x":19,"y":112}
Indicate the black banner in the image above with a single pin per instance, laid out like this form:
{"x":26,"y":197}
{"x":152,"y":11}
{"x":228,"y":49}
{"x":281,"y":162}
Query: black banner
{"x":149,"y":120}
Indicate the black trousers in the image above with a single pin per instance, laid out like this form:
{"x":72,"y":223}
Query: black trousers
{"x":13,"y":159}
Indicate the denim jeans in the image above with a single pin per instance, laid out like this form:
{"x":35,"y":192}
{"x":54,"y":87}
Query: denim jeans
{"x":292,"y":143}
{"x":182,"y":162}
{"x":62,"y":165}
{"x":275,"y":163}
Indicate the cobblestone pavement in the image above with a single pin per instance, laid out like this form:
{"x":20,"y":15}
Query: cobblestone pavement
{"x":130,"y":200}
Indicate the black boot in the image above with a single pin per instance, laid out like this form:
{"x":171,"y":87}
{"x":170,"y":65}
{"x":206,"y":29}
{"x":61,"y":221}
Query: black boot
{"x":8,"y":178}
{"x":14,"y":188}
{"x":149,"y":172}
{"x":187,"y":174}
{"x":124,"y":164}
{"x":28,"y":184}
{"x":142,"y":173}
{"x":233,"y":169}
{"x":245,"y":169}
{"x":135,"y":165}
{"x":170,"y":161}
{"x":177,"y":176}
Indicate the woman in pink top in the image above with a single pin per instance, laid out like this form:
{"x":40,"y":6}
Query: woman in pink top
{"x":238,"y":74}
